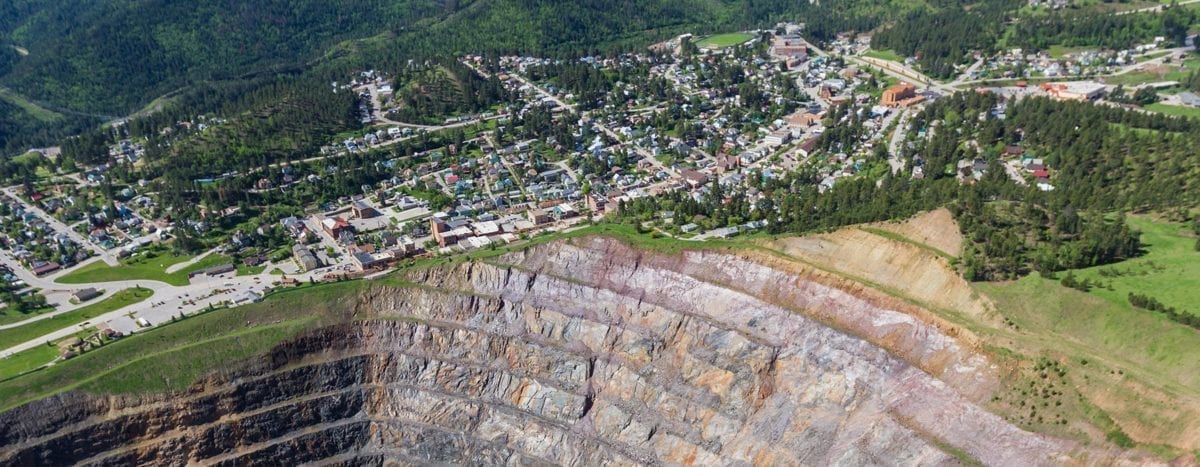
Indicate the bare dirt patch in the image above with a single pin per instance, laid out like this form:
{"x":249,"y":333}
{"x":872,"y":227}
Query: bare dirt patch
{"x":936,"y":229}
{"x":911,"y":270}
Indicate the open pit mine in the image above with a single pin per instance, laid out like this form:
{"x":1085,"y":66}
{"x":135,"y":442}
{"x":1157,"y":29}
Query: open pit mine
{"x":586,"y":351}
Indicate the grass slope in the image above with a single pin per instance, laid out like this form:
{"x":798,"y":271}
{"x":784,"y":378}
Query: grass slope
{"x":1169,"y":272}
{"x":24,"y":362}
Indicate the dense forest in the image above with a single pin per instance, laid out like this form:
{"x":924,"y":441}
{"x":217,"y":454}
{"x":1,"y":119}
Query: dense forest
{"x":105,"y":59}
{"x":1108,"y":31}
{"x":430,"y":92}
{"x":942,"y":39}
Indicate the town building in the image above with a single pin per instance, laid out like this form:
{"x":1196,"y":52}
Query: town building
{"x":85,"y":294}
{"x":335,"y":226}
{"x":901,"y":95}
{"x":305,"y":258}
{"x":1074,"y":90}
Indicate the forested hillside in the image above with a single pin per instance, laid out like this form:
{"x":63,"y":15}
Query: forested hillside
{"x":105,"y":59}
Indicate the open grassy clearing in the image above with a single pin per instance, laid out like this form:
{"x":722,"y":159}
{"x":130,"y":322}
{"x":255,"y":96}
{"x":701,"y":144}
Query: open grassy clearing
{"x":151,"y":265}
{"x":1177,"y":110}
{"x":884,"y":55}
{"x":1060,"y":51}
{"x":721,"y":41}
{"x":34,"y":110}
{"x":1169,"y":272}
{"x":1138,"y":373}
{"x":116,"y":301}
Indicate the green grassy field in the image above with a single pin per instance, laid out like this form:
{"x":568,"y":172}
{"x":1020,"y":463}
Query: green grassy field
{"x":1176,"y":110}
{"x":1130,"y":361}
{"x":885,"y":55}
{"x":145,"y":266}
{"x":8,"y":316}
{"x":34,"y":110}
{"x":721,"y":41}
{"x":1169,"y":272}
{"x":26,"y":361}
{"x":23,"y":333}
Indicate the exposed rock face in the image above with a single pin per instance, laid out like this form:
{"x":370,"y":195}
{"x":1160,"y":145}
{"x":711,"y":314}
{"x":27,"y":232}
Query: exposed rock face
{"x":584,"y":353}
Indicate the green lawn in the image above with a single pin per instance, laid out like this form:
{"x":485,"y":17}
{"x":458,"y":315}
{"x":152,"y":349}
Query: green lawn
{"x":1059,"y":51}
{"x":26,"y":361}
{"x":8,"y":316}
{"x":23,"y":333}
{"x":1169,"y":272}
{"x":885,"y":55}
{"x":151,"y":265}
{"x":1177,"y":110}
{"x":243,"y":270}
{"x":721,"y":41}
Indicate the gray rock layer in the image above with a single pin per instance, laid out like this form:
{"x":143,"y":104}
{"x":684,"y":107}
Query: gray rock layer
{"x":584,"y":353}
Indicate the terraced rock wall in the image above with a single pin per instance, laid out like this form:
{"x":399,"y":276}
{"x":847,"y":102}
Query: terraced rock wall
{"x":580,"y":353}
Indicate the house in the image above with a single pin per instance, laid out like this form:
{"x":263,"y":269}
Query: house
{"x":84,"y":295}
{"x":41,"y":269}
{"x":727,"y":164}
{"x":694,"y":178}
{"x":564,"y":211}
{"x":294,"y":226}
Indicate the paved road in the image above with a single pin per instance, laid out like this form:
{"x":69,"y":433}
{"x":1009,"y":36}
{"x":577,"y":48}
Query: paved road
{"x":897,"y":139}
{"x":1154,"y":9}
